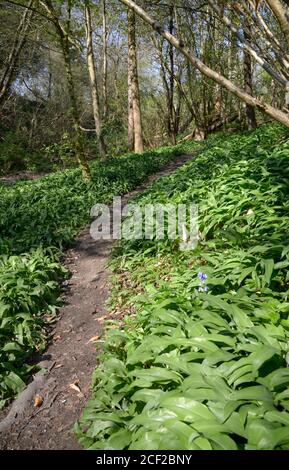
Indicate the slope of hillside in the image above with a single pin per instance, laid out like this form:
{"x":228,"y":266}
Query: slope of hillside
{"x":200,"y":358}
{"x":38,"y":219}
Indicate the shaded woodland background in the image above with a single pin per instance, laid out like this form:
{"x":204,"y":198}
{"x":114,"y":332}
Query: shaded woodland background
{"x":83,"y":79}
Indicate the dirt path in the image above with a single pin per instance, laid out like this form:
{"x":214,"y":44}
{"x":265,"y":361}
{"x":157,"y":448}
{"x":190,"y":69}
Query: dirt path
{"x":70,"y":358}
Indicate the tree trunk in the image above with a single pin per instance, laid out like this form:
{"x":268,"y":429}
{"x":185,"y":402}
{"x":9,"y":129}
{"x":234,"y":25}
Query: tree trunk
{"x":18,"y":43}
{"x":134,"y":96}
{"x":130,"y":106}
{"x":274,"y":113}
{"x":248,"y":81}
{"x":78,"y":141}
{"x":104,"y":73}
{"x":280,"y":13}
{"x":171,"y":109}
{"x":93,"y":81}
{"x":63,"y":37}
{"x":253,"y":50}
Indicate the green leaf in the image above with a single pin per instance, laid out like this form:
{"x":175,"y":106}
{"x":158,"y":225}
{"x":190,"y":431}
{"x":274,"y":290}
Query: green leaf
{"x":187,"y":409}
{"x":254,"y":393}
{"x":119,"y":440}
{"x":269,"y":266}
{"x":14,"y":382}
{"x":155,"y":375}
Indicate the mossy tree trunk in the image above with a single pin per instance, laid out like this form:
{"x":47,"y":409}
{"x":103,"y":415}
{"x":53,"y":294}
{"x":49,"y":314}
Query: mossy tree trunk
{"x":63,"y":34}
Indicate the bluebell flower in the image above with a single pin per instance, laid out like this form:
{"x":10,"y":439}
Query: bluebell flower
{"x":202,"y":276}
{"x":202,"y":286}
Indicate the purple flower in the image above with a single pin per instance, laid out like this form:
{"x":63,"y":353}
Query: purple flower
{"x":202,"y":276}
{"x":202,"y":286}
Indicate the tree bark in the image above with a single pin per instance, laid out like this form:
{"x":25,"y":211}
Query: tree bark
{"x":78,"y":142}
{"x":165,"y":67}
{"x":130,"y":106}
{"x":246,"y":44}
{"x":171,"y":109}
{"x":93,"y":81}
{"x":134,"y":96}
{"x":63,"y":36}
{"x":17,"y":46}
{"x":104,"y":73}
{"x":248,"y":81}
{"x":207,"y":71}
{"x":280,"y":13}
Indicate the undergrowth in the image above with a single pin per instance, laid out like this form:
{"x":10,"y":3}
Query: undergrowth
{"x":38,"y":219}
{"x":202,"y":362}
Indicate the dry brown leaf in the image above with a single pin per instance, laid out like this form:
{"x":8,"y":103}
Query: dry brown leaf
{"x":75,"y":387}
{"x":101,"y":319}
{"x":38,"y":400}
{"x":94,"y":339}
{"x":56,"y":337}
{"x":51,"y":319}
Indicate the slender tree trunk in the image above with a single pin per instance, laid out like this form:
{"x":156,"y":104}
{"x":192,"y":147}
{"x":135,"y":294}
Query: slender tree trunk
{"x":274,"y":113}
{"x":78,"y":141}
{"x":253,"y":50}
{"x":248,"y":80}
{"x":171,"y":109}
{"x":17,"y":46}
{"x":104,"y":73}
{"x":93,"y":80}
{"x":166,"y":71}
{"x":167,"y":93}
{"x":130,"y":106}
{"x":280,"y":13}
{"x":134,"y":95}
{"x":63,"y":37}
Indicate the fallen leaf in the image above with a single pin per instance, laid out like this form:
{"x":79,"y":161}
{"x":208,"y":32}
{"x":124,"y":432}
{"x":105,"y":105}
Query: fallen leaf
{"x":38,"y":400}
{"x":56,"y":337}
{"x":75,"y":387}
{"x":51,"y":319}
{"x":94,"y":339}
{"x":101,"y":319}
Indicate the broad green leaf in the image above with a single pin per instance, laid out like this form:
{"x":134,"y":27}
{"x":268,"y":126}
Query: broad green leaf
{"x":253,"y":393}
{"x":269,"y":266}
{"x":187,"y":409}
{"x":119,"y":440}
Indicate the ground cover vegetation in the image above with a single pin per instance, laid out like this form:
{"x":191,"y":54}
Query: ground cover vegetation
{"x":38,"y":219}
{"x":202,"y":362}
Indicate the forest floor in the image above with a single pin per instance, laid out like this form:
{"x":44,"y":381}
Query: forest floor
{"x":70,"y":357}
{"x":22,"y":175}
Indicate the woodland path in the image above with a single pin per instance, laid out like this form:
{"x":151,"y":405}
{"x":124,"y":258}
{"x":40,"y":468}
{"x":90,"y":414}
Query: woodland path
{"x":70,"y":357}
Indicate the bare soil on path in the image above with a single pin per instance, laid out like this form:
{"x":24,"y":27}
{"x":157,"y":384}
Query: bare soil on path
{"x":70,"y":357}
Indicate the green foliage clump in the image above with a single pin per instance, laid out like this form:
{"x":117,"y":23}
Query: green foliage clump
{"x":37,"y":219}
{"x":195,"y":369}
{"x":13,"y":153}
{"x":29,"y":290}
{"x":51,"y":210}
